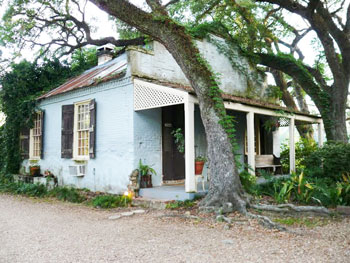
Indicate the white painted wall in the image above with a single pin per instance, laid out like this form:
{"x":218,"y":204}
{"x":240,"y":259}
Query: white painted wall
{"x":159,"y":64}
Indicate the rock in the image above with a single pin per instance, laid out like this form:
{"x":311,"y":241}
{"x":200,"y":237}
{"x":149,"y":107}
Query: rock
{"x":188,"y":213}
{"x":227,"y":208}
{"x":140,"y":211}
{"x":344,"y":210}
{"x":114,"y":217}
{"x":227,"y":226}
{"x":207,"y":209}
{"x":228,"y":242}
{"x":220,"y":218}
{"x":127,"y":213}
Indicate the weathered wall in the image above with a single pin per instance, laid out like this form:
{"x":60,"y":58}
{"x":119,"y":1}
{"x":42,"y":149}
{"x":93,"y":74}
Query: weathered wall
{"x":159,"y":64}
{"x":110,"y":170}
{"x":148,"y":141}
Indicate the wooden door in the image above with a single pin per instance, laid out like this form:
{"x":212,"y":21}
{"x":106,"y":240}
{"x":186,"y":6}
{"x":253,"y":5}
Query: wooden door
{"x":173,"y":160}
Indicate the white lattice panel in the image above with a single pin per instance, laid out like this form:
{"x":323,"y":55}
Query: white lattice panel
{"x":148,"y":96}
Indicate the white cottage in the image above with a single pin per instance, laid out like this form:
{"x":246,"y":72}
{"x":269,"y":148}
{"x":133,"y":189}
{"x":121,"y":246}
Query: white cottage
{"x":92,"y":131}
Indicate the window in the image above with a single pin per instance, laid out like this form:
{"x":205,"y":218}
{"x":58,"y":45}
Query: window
{"x":82,"y":127}
{"x":78,"y":134}
{"x":35,"y":147}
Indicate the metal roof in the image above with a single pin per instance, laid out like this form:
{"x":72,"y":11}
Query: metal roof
{"x":110,"y":70}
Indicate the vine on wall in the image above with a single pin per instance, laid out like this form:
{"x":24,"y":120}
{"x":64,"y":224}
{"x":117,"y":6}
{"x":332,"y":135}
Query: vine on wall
{"x":20,"y":88}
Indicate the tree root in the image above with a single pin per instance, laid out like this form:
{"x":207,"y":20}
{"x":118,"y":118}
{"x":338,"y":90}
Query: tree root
{"x":267,"y":222}
{"x":264,"y":220}
{"x":293,"y":208}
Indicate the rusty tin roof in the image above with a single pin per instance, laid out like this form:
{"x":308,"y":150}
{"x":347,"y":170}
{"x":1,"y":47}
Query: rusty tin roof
{"x":110,"y":70}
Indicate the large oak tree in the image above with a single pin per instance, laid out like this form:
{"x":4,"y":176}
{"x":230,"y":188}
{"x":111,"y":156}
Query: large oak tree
{"x":264,"y":28}
{"x":64,"y":21}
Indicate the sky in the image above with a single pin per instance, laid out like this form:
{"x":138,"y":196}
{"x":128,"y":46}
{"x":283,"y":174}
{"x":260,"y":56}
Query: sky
{"x":106,"y":27}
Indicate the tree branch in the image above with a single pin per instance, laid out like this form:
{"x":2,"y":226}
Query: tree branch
{"x":296,"y":70}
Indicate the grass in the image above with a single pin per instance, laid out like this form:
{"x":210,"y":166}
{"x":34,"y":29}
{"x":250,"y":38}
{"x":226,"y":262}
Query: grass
{"x":63,"y":193}
{"x":302,"y":221}
{"x":180,"y":204}
{"x":68,"y":194}
{"x":111,"y":201}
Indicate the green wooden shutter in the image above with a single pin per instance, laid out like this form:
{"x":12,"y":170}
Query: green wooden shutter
{"x":42,"y":115}
{"x":92,"y":139}
{"x":67,"y":131}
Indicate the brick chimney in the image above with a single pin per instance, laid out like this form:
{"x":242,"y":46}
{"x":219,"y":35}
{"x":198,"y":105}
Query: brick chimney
{"x":104,"y":54}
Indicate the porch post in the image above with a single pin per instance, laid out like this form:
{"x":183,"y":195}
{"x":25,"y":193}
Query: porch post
{"x":251,"y":141}
{"x":291,"y":145}
{"x":190,"y":181}
{"x":320,"y":133}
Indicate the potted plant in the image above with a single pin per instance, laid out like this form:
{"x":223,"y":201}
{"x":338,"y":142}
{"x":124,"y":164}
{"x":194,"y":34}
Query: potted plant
{"x":199,"y":164}
{"x":146,"y":172}
{"x":34,"y":170}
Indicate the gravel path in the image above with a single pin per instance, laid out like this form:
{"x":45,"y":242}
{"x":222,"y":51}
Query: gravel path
{"x":50,"y":231}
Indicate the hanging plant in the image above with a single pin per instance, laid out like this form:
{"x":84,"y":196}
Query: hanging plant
{"x":271,"y":124}
{"x":179,"y":139}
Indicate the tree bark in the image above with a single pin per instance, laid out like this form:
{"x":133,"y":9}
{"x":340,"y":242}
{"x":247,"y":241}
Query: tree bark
{"x":336,"y":128}
{"x":225,"y":185}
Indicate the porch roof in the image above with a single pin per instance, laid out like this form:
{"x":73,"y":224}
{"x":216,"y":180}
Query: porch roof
{"x":236,"y":99}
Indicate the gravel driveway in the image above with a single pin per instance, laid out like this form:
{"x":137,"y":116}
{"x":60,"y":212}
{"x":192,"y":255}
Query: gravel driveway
{"x":49,"y":231}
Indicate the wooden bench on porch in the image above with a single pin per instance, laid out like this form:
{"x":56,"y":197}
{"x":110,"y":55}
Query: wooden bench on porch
{"x":267,"y":162}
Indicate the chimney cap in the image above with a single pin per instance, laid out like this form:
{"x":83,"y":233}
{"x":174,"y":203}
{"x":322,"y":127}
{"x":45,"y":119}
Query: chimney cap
{"x":106,"y":49}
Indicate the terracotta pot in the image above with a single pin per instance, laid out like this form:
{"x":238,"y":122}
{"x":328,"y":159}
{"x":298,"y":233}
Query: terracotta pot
{"x":34,"y":171}
{"x":146,"y":181}
{"x":199,"y":167}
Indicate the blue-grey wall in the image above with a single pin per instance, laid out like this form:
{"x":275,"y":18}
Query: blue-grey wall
{"x":110,"y":170}
{"x":148,"y":141}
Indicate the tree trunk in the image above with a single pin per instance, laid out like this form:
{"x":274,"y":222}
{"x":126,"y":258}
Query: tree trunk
{"x":225,"y":185}
{"x":335,"y":126}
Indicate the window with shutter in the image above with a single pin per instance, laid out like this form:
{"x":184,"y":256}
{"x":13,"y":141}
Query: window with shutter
{"x":79,"y":130}
{"x":67,"y":131}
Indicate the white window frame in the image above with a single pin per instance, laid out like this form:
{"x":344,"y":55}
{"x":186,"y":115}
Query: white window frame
{"x":31,"y":137}
{"x":76,"y":156}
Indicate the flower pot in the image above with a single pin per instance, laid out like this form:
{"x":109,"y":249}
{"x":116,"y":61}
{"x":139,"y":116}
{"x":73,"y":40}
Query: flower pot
{"x":199,"y":167}
{"x":34,"y":171}
{"x":146,"y":181}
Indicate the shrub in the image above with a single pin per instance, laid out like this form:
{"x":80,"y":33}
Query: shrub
{"x":67,"y":194}
{"x":303,"y":149}
{"x":33,"y":190}
{"x":332,"y":160}
{"x":111,"y":201}
{"x":248,"y":182}
{"x":308,"y":190}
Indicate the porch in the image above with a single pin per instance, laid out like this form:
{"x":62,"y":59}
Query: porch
{"x":151,"y":96}
{"x":173,"y":192}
